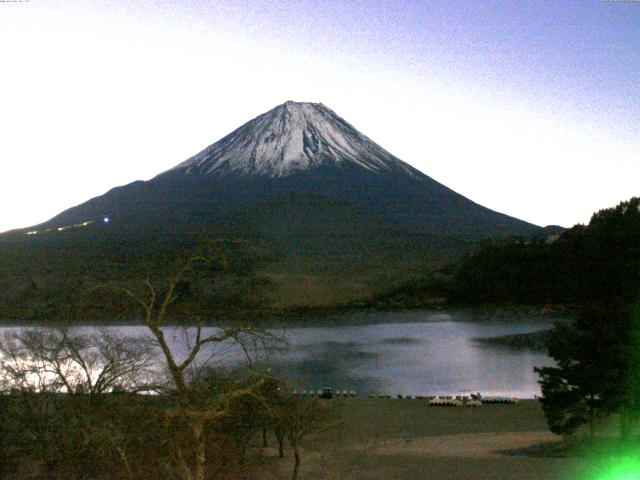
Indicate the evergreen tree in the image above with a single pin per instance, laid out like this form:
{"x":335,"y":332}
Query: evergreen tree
{"x":598,"y":356}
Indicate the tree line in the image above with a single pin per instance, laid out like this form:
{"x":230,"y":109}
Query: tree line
{"x":583,"y":263}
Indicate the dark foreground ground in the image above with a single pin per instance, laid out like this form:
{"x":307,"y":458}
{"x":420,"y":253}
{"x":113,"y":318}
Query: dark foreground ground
{"x":406,"y":439}
{"x":365,"y":439}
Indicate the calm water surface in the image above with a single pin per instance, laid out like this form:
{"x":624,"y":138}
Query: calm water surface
{"x":417,"y":352}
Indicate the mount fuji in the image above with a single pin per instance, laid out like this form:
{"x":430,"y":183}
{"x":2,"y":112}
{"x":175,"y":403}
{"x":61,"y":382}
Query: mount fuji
{"x":306,"y":180}
{"x":335,"y":217}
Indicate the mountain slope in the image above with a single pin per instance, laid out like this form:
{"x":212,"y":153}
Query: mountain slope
{"x":297,"y":166}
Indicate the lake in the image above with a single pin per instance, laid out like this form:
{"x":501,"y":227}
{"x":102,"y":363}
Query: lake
{"x":407,"y":352}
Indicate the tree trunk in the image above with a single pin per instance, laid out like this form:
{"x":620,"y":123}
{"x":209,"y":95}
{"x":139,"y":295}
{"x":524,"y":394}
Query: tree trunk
{"x":185,"y":471}
{"x":592,"y":417}
{"x":125,"y":462}
{"x":296,"y":456}
{"x":200,"y":449}
{"x":265,"y":444}
{"x":624,"y":423}
{"x":280,"y":438}
{"x":592,"y":426}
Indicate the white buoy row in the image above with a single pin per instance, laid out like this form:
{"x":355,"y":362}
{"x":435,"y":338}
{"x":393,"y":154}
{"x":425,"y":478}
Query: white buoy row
{"x":473,"y":400}
{"x":451,"y":400}
{"x":325,"y":393}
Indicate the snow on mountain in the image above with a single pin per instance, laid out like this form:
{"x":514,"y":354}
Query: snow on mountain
{"x":296,"y":168}
{"x":292,"y":137}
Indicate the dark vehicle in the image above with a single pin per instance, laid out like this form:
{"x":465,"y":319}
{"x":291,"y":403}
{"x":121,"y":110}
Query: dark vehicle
{"x":327,"y":393}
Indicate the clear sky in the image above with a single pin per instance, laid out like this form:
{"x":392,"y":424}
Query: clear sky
{"x":531,"y":108}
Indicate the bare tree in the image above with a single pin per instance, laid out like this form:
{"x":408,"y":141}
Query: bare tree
{"x":194,"y":410}
{"x":296,"y":418}
{"x":63,"y":359}
{"x":54,"y":371}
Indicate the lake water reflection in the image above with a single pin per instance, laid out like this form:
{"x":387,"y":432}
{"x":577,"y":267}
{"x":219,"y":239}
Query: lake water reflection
{"x":415,"y":352}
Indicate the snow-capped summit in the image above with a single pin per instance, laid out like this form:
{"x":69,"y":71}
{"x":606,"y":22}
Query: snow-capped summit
{"x":302,"y":178}
{"x":291,"y":137}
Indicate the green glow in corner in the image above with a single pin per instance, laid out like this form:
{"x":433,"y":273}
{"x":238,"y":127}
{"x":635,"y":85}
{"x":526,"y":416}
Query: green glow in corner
{"x":621,"y":469}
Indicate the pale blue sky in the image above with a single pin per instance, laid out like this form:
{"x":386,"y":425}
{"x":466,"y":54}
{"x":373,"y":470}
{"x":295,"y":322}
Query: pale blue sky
{"x":530,"y":108}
